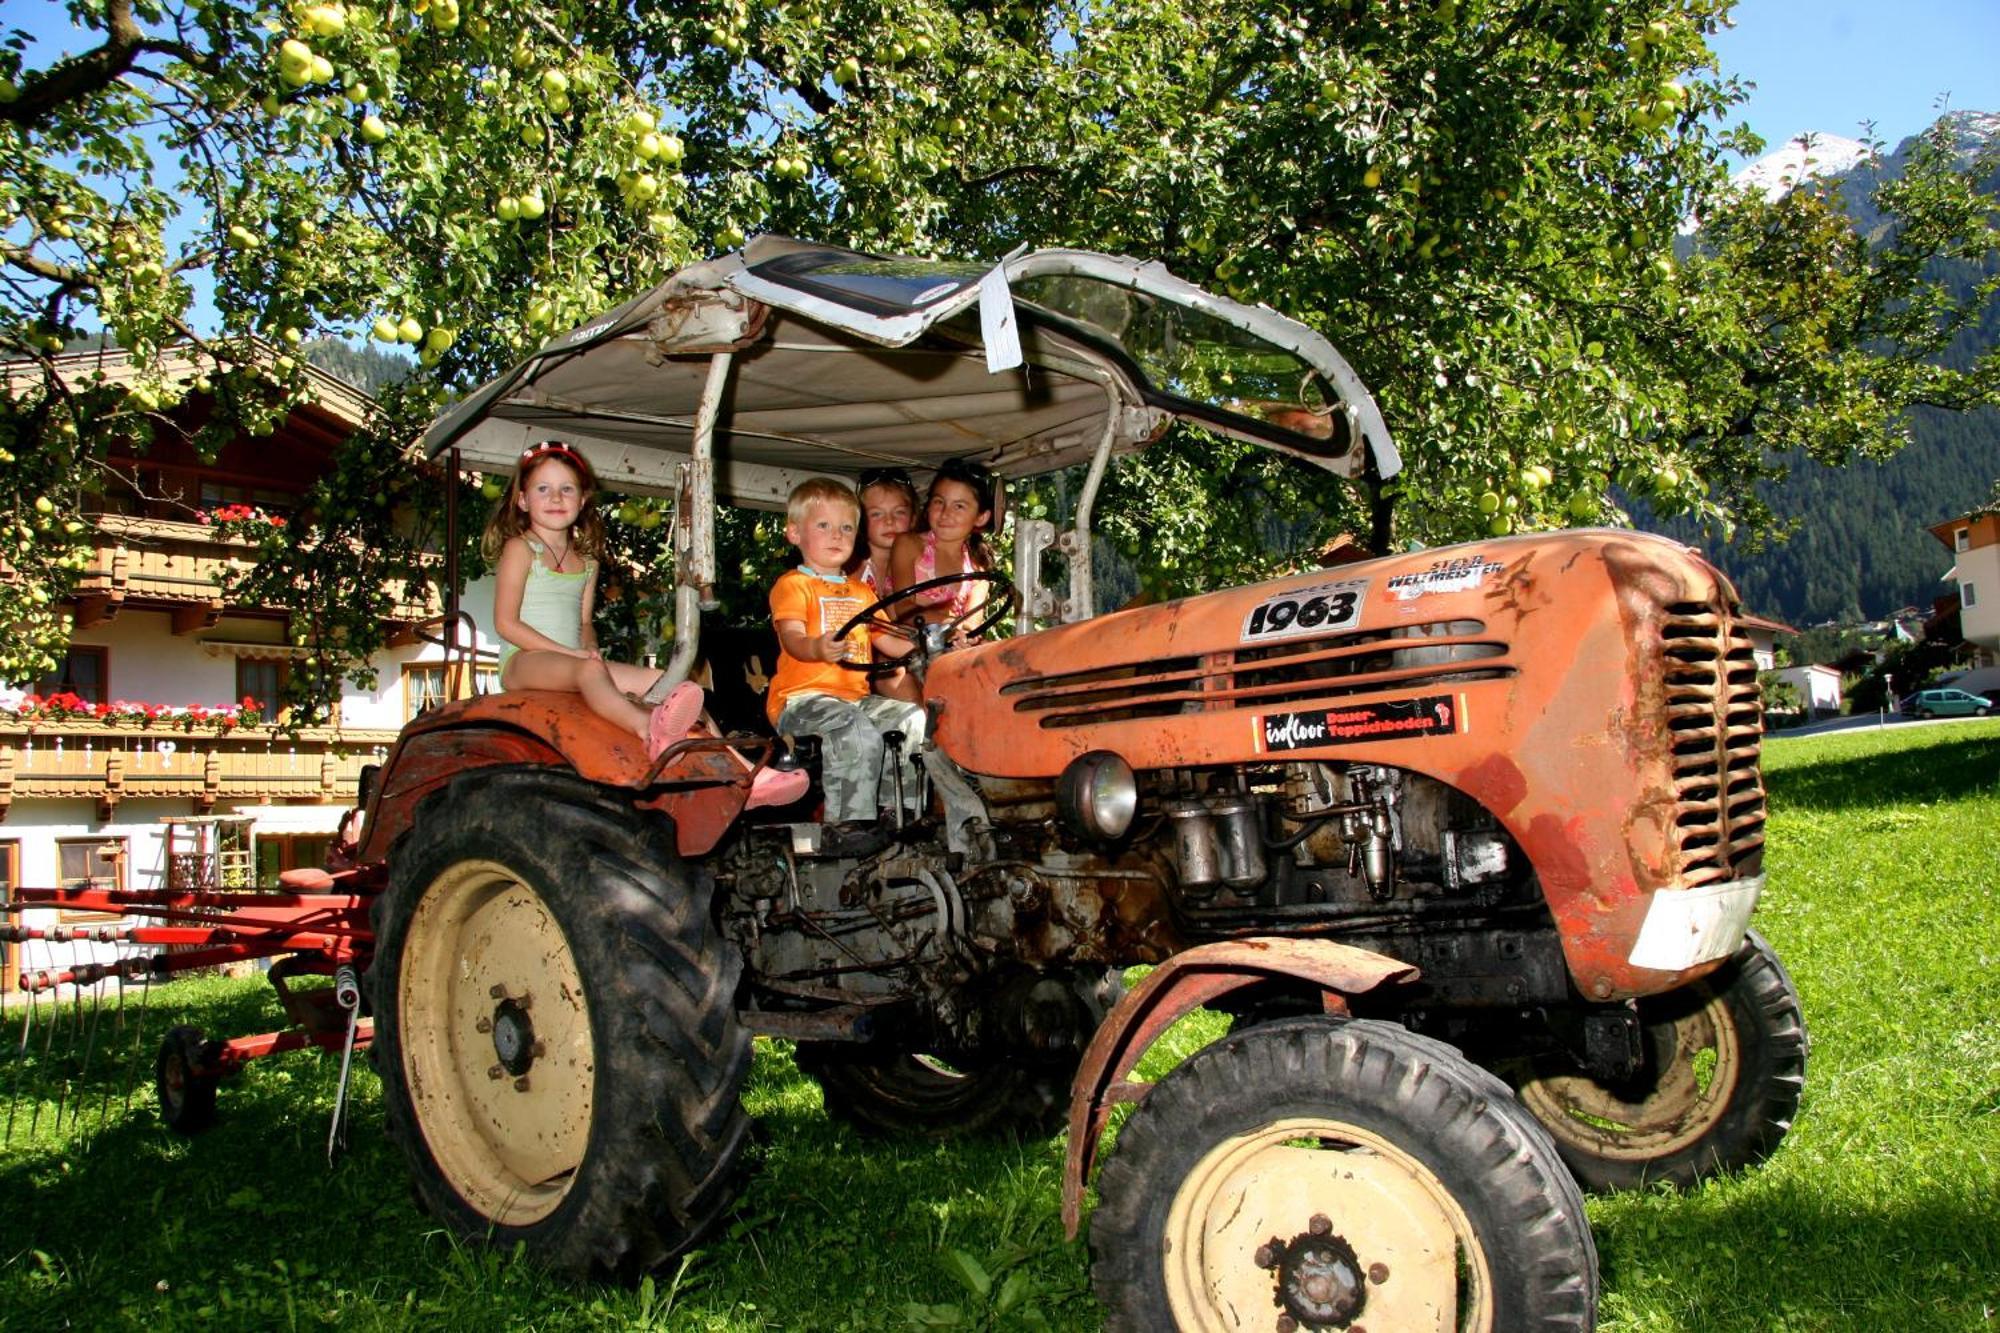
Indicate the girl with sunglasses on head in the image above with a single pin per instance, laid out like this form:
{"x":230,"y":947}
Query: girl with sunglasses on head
{"x":888,"y":508}
{"x":545,"y":536}
{"x":963,"y":506}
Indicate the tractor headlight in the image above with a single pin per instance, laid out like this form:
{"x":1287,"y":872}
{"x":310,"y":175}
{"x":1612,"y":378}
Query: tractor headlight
{"x":1098,"y":795}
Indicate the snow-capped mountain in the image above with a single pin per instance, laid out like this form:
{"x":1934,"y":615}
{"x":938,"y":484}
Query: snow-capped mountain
{"x":1972,"y":131}
{"x":1804,"y":158}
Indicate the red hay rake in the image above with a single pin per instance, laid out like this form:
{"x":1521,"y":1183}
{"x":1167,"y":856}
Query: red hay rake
{"x":75,"y":1040}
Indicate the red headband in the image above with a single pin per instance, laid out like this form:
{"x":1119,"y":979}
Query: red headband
{"x":547,"y":447}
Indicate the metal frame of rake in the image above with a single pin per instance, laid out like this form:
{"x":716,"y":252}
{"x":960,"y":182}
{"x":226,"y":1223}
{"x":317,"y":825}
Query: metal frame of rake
{"x":316,"y":927}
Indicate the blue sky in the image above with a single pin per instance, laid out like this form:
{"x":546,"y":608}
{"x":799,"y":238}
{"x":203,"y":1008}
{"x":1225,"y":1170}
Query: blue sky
{"x":1828,"y":65}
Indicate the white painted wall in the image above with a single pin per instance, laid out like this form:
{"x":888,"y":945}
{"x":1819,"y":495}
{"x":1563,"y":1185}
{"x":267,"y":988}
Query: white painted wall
{"x":1818,"y":686}
{"x":383,"y":705}
{"x":146,"y":662}
{"x":1979,"y":574}
{"x":39,"y":825}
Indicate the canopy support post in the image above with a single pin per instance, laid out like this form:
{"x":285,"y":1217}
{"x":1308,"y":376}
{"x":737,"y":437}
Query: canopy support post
{"x":1076,"y":544}
{"x":695,"y":539}
{"x":451,"y":589}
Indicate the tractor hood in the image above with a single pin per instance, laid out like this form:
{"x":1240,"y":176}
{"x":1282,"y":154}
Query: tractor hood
{"x":845,"y":361}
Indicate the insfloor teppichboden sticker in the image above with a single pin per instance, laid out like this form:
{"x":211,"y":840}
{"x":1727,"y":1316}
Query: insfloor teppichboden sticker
{"x":1307,"y":729}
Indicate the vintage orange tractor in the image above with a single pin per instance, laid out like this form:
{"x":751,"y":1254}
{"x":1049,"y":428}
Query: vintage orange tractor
{"x":1466,"y":839}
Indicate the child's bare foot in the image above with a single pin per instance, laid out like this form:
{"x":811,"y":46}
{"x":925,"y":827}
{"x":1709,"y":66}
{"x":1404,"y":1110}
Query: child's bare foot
{"x":771,"y":787}
{"x":672,"y":720}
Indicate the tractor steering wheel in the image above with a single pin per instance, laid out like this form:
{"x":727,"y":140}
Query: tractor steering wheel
{"x":931,"y":639}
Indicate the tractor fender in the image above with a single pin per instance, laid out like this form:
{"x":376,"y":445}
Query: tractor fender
{"x":1178,"y":987}
{"x":704,"y":790}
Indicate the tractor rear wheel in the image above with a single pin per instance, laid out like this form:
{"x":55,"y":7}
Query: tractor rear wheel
{"x":1025,"y":1092}
{"x":1725,"y":1062}
{"x":1316,"y":1173}
{"x":922,"y":1095}
{"x":555,"y":1024}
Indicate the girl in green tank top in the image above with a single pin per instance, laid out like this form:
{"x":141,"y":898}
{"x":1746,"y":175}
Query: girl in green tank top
{"x":545,"y":536}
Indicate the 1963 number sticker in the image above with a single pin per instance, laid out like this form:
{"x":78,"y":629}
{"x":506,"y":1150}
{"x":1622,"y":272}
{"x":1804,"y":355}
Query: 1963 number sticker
{"x":1314,"y":610}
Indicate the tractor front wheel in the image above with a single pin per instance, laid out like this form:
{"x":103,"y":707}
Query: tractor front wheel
{"x":555,"y":1024}
{"x":1725,"y":1062}
{"x":1315,"y":1173}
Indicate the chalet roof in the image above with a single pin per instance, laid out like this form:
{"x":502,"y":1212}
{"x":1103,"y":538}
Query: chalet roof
{"x":348,"y":406}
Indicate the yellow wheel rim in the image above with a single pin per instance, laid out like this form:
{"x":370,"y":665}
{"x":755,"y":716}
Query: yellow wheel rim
{"x":1420,"y":1265}
{"x":1695,"y":1087}
{"x":496,"y":1043}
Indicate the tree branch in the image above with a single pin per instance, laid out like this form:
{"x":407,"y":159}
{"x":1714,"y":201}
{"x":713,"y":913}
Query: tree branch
{"x":62,"y":275}
{"x":81,"y":75}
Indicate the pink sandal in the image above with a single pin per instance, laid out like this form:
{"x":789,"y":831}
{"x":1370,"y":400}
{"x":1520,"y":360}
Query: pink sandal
{"x":674,"y":718}
{"x":772,"y":787}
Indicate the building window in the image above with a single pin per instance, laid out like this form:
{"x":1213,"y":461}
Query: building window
{"x":84,"y":673}
{"x":279,"y":852}
{"x":1966,"y":595}
{"x":89,"y":863}
{"x":424,"y":688}
{"x":1962,"y":539}
{"x":264,"y":682}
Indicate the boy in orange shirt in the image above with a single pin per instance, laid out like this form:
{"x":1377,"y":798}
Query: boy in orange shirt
{"x":811,"y":693}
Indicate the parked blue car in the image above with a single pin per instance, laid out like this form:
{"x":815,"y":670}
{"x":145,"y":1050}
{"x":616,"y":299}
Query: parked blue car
{"x":1946,"y":703}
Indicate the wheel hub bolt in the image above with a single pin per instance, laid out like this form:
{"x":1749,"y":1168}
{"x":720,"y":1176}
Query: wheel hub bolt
{"x":521,"y":1083}
{"x":1266,"y":1256}
{"x":1378,"y":1273}
{"x":1320,"y":1224}
{"x":1287,"y":1324}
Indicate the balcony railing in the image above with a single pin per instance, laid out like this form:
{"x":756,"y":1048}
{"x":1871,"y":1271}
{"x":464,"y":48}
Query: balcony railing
{"x":166,"y":564}
{"x":48,"y":760}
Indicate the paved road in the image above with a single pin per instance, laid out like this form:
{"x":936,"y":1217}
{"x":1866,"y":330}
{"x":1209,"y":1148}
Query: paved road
{"x":1863,"y":721}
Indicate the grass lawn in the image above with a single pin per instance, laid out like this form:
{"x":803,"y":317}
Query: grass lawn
{"x":1880,"y":1213}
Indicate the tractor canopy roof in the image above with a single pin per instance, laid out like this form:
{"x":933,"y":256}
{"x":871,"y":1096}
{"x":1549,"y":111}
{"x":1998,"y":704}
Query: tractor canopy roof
{"x":845,"y":361}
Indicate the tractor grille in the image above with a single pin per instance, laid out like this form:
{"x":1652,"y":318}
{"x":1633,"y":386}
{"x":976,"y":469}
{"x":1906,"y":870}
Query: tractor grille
{"x":1267,"y":676}
{"x":1715,"y":716}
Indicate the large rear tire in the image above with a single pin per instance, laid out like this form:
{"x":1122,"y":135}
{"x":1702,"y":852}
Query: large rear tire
{"x":1336,"y":1173}
{"x":556,"y":1025}
{"x":1725,"y":1062}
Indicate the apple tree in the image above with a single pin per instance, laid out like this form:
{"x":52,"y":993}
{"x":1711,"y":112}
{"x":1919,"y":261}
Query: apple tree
{"x":1481,"y":201}
{"x":1492,"y":207}
{"x":461,"y":178}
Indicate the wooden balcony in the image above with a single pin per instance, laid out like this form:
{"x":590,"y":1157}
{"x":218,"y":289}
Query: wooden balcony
{"x":107,"y":764}
{"x":162,"y":564}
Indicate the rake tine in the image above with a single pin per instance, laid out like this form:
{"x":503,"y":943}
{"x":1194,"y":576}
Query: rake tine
{"x":89,"y":1051}
{"x":48,"y":1038}
{"x":138,"y":1043}
{"x":20,"y":1067}
{"x":117,"y":1030}
{"x":49,"y":1041}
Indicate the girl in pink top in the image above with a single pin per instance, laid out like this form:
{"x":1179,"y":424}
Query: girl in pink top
{"x":958,"y":515}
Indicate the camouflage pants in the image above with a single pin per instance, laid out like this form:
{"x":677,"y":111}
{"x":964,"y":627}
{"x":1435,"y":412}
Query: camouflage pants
{"x":856,"y":783}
